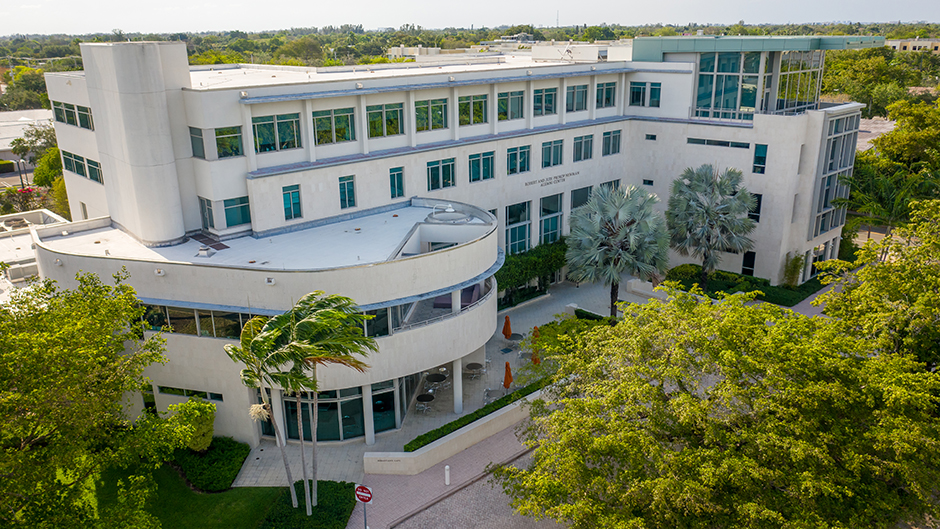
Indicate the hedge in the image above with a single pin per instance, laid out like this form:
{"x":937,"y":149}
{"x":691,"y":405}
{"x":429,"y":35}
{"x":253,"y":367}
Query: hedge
{"x":453,"y":426}
{"x":6,"y":166}
{"x":216,"y":469}
{"x":335,"y":503}
{"x":541,"y":261}
{"x":722,"y":281}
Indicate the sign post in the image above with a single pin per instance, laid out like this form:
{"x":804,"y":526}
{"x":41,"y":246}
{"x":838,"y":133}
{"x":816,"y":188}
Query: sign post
{"x":364,"y":496}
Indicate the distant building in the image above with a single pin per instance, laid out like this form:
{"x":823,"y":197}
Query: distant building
{"x":14,"y":123}
{"x":916,"y":44}
{"x":232,"y":190}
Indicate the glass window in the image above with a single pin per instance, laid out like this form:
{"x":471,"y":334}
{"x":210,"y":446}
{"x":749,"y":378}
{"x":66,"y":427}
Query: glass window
{"x":205,"y":211}
{"x":291,"y":202}
{"x":747,"y":267}
{"x":481,"y":166}
{"x":441,"y":174}
{"x":509,"y":105}
{"x":580,"y":197}
{"x":385,"y":120}
{"x":552,"y":153}
{"x":473,"y":109}
{"x":237,"y":211}
{"x":347,"y":192}
{"x":431,"y":114}
{"x":606,"y":94}
{"x":84,"y":118}
{"x":378,"y":325}
{"x":752,"y":62}
{"x":706,"y":62}
{"x":729,"y":62}
{"x":544,"y":101}
{"x":265,"y":133}
{"x":94,"y":171}
{"x":647,"y":182}
{"x":706,"y":84}
{"x":550,"y":214}
{"x":199,"y":147}
{"x":754,"y":214}
{"x":576,"y":98}
{"x":227,"y":325}
{"x":637,"y":94}
{"x":182,"y":321}
{"x":517,"y":227}
{"x":396,"y":179}
{"x":155,"y":317}
{"x":70,"y":116}
{"x":334,"y":126}
{"x":655,"y":93}
{"x":651,"y":137}
{"x":583,"y":148}
{"x":613,"y":184}
{"x":760,"y":158}
{"x":611,"y":144}
{"x":228,"y":141}
{"x":353,"y":423}
{"x":383,"y":411}
{"x":517,"y":159}
{"x":58,"y":110}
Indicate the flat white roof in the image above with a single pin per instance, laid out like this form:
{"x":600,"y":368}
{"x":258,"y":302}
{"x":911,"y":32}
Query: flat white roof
{"x":249,"y":75}
{"x":364,"y":240}
{"x":16,"y":248}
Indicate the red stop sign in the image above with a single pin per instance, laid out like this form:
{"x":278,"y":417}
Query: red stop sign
{"x":363,"y":494}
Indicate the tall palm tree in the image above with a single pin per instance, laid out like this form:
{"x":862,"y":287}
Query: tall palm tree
{"x":707,"y":214}
{"x":320,"y":330}
{"x":617,"y":231}
{"x":258,"y":353}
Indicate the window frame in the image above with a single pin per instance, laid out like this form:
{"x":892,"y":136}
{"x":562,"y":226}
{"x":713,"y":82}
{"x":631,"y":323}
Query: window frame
{"x":347,"y":113}
{"x":435,"y":108}
{"x":583,"y":148}
{"x":510,"y":105}
{"x":638,"y":94}
{"x":545,"y":101}
{"x":284,"y":130}
{"x":347,"y":192}
{"x":548,"y":236}
{"x":606,"y":95}
{"x":445,"y":170}
{"x":518,"y":233}
{"x":228,"y":142}
{"x":472,"y":104}
{"x":518,"y":159}
{"x":242,"y":204}
{"x":396,"y":182}
{"x":760,"y":159}
{"x":292,"y":206}
{"x":386,"y":116}
{"x":205,"y":213}
{"x":611,"y":143}
{"x":196,"y":138}
{"x":555,"y":150}
{"x":481,"y":164}
{"x":572,"y":101}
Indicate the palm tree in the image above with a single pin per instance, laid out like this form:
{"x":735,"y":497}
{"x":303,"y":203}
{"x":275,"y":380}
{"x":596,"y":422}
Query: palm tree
{"x":707,"y":214}
{"x":257,"y":351}
{"x":319,"y":330}
{"x":617,"y":231}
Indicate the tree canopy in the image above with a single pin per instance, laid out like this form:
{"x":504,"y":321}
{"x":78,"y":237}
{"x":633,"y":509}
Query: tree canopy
{"x":67,"y":360}
{"x":895,"y":301}
{"x":695,"y":414}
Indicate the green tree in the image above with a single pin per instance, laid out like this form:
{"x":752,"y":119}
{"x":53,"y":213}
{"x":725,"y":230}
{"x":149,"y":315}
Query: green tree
{"x":696,"y":414}
{"x":200,"y":415}
{"x":617,"y":231}
{"x":262,"y":362}
{"x":318,"y":330}
{"x":36,"y":140}
{"x":68,"y":358}
{"x":48,"y":168}
{"x":707,"y":214}
{"x":306,"y":49}
{"x":916,"y":136}
{"x":894,"y":301}
{"x":60,"y":198}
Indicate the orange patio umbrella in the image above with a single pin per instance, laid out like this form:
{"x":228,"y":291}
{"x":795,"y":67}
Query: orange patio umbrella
{"x":535,"y":352}
{"x":535,"y":358}
{"x":507,"y":329}
{"x":507,"y":380}
{"x":535,"y":332}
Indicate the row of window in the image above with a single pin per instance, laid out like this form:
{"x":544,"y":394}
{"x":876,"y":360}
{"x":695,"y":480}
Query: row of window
{"x":73,"y":115}
{"x":760,"y":150}
{"x":208,"y":395}
{"x":282,"y":131}
{"x":82,"y":166}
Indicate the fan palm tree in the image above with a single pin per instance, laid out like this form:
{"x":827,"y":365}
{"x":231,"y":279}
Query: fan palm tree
{"x":617,"y":231}
{"x":319,"y":330}
{"x":258,"y":353}
{"x":707,"y":214}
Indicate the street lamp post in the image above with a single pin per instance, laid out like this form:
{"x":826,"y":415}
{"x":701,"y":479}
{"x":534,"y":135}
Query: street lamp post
{"x":21,"y":168}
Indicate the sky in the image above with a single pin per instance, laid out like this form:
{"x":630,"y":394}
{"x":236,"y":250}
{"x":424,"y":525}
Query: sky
{"x":169,"y":16}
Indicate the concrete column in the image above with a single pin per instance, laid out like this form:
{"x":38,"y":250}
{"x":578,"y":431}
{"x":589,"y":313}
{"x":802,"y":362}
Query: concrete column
{"x":397,"y":401}
{"x":592,"y":98}
{"x":457,"y":370}
{"x":409,"y":117}
{"x":563,"y":100}
{"x":277,"y":411}
{"x":455,"y":301}
{"x":363,"y":123}
{"x":622,"y":95}
{"x":454,"y":113}
{"x":494,"y":104}
{"x":248,"y":138}
{"x":529,"y":103}
{"x":367,"y":414}
{"x":306,"y":127}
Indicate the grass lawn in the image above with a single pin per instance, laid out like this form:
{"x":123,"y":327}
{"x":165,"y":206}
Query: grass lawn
{"x":178,"y":507}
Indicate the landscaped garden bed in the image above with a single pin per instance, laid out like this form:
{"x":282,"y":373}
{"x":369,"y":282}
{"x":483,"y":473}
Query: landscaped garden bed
{"x":729,"y":282}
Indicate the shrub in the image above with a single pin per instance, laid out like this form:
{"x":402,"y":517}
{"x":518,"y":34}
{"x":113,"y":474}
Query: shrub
{"x":201,"y":416}
{"x":6,"y":166}
{"x":453,"y":426}
{"x":685,"y":272}
{"x":215,"y":469}
{"x":793,"y":268}
{"x":538,"y":263}
{"x":335,"y":503}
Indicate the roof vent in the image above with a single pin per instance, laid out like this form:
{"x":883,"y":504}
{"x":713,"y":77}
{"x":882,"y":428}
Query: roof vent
{"x":205,"y":251}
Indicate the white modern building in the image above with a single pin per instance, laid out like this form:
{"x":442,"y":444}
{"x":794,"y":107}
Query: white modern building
{"x":235,"y":189}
